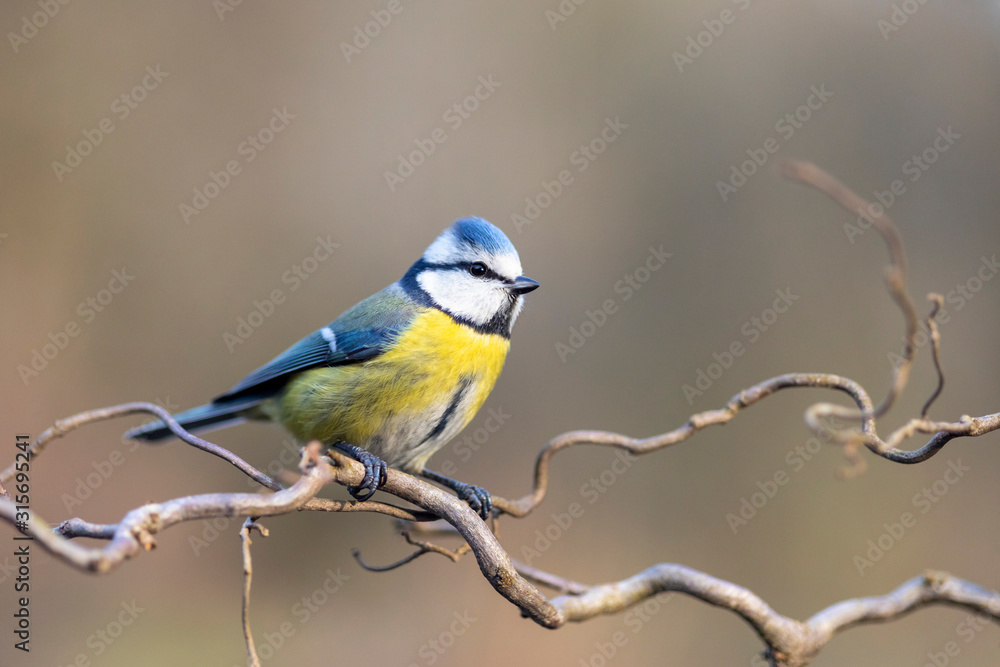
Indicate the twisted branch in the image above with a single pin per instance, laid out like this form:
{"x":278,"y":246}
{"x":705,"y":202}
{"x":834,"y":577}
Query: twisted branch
{"x":135,"y":532}
{"x":790,"y":643}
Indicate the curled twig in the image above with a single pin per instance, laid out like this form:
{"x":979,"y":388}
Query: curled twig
{"x":895,"y":274}
{"x":695,"y":423}
{"x":935,"y":334}
{"x":423,"y":547}
{"x":819,"y":414}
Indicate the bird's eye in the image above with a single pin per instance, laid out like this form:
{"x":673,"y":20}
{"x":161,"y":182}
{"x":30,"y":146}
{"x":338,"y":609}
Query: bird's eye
{"x":478,"y":269}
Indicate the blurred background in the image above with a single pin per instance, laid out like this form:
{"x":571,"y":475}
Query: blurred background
{"x":189,"y":188}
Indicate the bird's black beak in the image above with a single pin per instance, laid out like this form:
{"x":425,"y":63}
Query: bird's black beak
{"x":523,"y":285}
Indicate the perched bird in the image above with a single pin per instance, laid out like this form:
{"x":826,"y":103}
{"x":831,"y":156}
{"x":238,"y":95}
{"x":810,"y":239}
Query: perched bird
{"x":398,"y":375}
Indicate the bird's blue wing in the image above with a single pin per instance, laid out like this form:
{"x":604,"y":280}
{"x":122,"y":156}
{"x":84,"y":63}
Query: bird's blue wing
{"x":361,"y":333}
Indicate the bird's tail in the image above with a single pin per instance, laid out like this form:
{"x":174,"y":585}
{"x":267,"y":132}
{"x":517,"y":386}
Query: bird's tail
{"x":203,"y":418}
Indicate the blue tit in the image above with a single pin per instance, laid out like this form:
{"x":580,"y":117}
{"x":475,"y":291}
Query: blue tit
{"x":398,"y":375}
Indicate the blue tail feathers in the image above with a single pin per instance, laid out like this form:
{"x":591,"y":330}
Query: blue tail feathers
{"x":204,"y":417}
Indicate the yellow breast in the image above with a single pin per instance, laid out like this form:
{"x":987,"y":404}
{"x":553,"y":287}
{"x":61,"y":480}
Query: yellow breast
{"x":397,"y":404}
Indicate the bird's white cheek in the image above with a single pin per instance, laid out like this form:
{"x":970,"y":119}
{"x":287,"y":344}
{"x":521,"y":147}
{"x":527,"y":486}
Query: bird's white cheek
{"x":463,"y":295}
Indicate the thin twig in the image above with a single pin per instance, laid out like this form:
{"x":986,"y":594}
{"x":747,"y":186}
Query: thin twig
{"x":932,"y":327}
{"x":423,"y":547}
{"x":493,"y":560}
{"x":386,"y":568}
{"x":695,"y":423}
{"x":249,"y":525}
{"x":549,"y":580}
{"x":77,"y":527}
{"x":895,"y":274}
{"x":64,"y":426}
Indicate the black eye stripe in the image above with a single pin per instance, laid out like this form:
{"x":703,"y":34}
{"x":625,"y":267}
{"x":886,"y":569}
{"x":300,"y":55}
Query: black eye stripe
{"x":464,"y":266}
{"x":490,"y":273}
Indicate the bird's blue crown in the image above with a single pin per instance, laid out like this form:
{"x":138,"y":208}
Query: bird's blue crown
{"x":477,"y":232}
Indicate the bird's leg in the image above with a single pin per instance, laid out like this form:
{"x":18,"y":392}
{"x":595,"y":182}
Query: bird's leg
{"x":478,"y":498}
{"x":375,"y":470}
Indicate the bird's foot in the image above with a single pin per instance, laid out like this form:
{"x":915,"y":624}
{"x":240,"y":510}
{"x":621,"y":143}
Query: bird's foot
{"x":375,"y":471}
{"x":478,"y":498}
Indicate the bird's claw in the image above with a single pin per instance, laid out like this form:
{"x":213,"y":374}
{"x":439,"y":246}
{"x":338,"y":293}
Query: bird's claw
{"x":478,"y":498}
{"x":376,"y":471}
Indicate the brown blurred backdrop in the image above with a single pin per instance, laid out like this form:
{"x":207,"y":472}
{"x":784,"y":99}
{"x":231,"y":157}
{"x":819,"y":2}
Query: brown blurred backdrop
{"x":198,"y":81}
